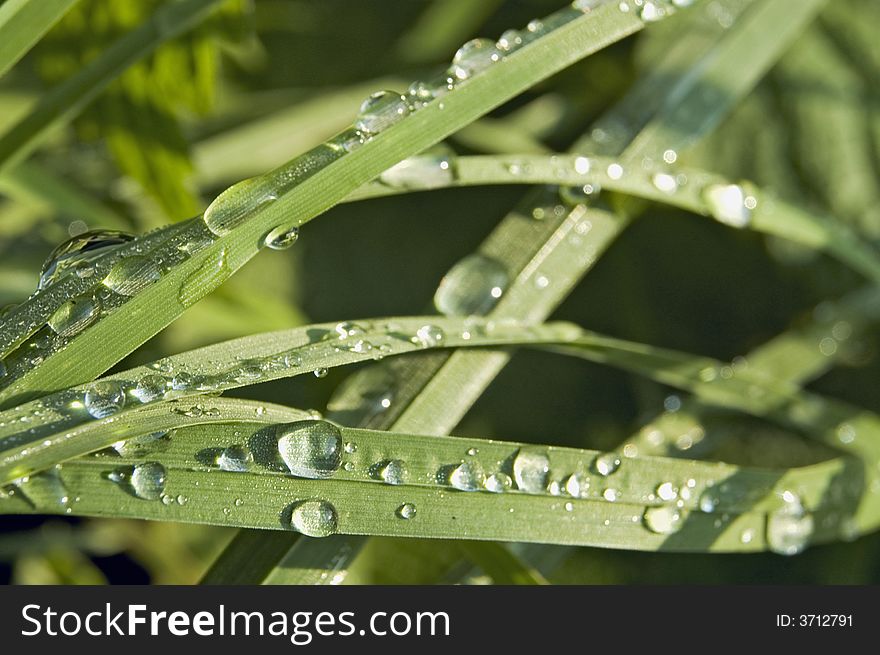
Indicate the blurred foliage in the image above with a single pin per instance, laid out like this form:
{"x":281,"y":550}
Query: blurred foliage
{"x":198,"y":115}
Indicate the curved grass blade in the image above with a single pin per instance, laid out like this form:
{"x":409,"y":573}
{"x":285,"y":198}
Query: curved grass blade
{"x":71,"y":96}
{"x":46,"y":431}
{"x":23,"y":23}
{"x":238,"y":222}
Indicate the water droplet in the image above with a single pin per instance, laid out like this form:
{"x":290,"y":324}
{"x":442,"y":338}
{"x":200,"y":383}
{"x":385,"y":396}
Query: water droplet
{"x":474,"y":56}
{"x":281,"y":238}
{"x":429,"y":336}
{"x":380,"y":111}
{"x":531,"y":470}
{"x":509,"y":41}
{"x":615,"y":171}
{"x":145,"y":480}
{"x":789,"y":528}
{"x":667,"y":491}
{"x":586,"y":5}
{"x":204,"y":279}
{"x":392,"y":471}
{"x":132,"y":274}
{"x":727,"y":203}
{"x":498,"y":483}
{"x":141,"y":444}
{"x":651,"y":11}
{"x":75,"y":315}
{"x":467,"y":476}
{"x":575,"y":485}
{"x":472,"y":286}
{"x":310,"y":449}
{"x":665,"y":182}
{"x":235,"y":458}
{"x":83,"y":248}
{"x":149,"y":388}
{"x":663,"y":520}
{"x":420,"y":173}
{"x":610,"y":495}
{"x":320,"y":372}
{"x":708,"y":501}
{"x":606,"y":464}
{"x":104,"y":398}
{"x":581,"y":165}
{"x":314,"y":518}
{"x":406,"y":511}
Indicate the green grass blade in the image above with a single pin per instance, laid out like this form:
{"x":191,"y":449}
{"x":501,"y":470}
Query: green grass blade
{"x":23,"y":23}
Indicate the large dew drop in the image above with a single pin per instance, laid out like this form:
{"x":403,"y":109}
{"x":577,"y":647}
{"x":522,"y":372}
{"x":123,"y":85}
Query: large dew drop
{"x":104,"y":398}
{"x":146,"y":481}
{"x":131,"y":274}
{"x":530,"y":471}
{"x":75,"y":315}
{"x":314,"y":518}
{"x":231,"y":208}
{"x":310,"y":449}
{"x":149,"y":388}
{"x":282,"y":238}
{"x":79,"y":250}
{"x":474,"y":56}
{"x":235,"y":458}
{"x":471,"y":287}
{"x":467,"y":476}
{"x":380,"y":111}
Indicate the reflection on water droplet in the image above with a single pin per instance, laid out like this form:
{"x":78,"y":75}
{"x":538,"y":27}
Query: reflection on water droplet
{"x":663,"y":520}
{"x":380,"y":111}
{"x":310,"y":449}
{"x":132,"y":274}
{"x":429,"y":336}
{"x":235,"y":458}
{"x":281,"y":238}
{"x":665,"y":183}
{"x":81,"y":249}
{"x":314,"y":518}
{"x":727,"y":203}
{"x":472,"y":286}
{"x":474,"y":56}
{"x":420,"y":173}
{"x":531,"y":470}
{"x":498,"y":483}
{"x":606,"y":464}
{"x":104,"y":398}
{"x":406,"y":511}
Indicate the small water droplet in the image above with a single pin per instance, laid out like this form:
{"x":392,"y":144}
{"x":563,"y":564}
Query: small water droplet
{"x":467,"y":476}
{"x":615,"y":171}
{"x":663,"y":520}
{"x":314,"y":518}
{"x":281,"y":238}
{"x":610,"y":495}
{"x":498,"y":483}
{"x":606,"y":464}
{"x":149,"y":388}
{"x":789,"y":528}
{"x":531,"y":470}
{"x":419,"y":173}
{"x":665,"y":182}
{"x":474,"y":56}
{"x":429,"y":336}
{"x":235,"y":458}
{"x":667,"y":492}
{"x":471,"y":287}
{"x":509,"y":41}
{"x":320,"y":372}
{"x":310,"y":449}
{"x":380,"y":111}
{"x":146,"y":480}
{"x":406,"y":511}
{"x":104,"y":398}
{"x":392,"y":471}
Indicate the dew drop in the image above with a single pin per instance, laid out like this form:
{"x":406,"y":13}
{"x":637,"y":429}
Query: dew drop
{"x":146,"y":480}
{"x":281,"y":238}
{"x":467,"y":476}
{"x":406,"y":511}
{"x":149,"y":388}
{"x":498,"y":483}
{"x":75,"y":315}
{"x":531,"y":470}
{"x":320,"y":372}
{"x":789,"y":528}
{"x":665,"y":182}
{"x":314,"y":518}
{"x":141,"y":444}
{"x":471,"y":287}
{"x":104,"y":398}
{"x":727,"y":203}
{"x":429,"y":336}
{"x":663,"y":520}
{"x":606,"y":464}
{"x":310,"y":449}
{"x":392,"y":471}
{"x":132,"y":274}
{"x":474,"y":56}
{"x":82,"y":248}
{"x":380,"y":111}
{"x":509,"y":41}
{"x":420,"y":173}
{"x":667,"y":492}
{"x":235,"y":458}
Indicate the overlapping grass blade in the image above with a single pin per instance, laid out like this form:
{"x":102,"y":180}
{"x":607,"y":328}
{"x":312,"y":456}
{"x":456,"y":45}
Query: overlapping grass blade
{"x":23,"y":23}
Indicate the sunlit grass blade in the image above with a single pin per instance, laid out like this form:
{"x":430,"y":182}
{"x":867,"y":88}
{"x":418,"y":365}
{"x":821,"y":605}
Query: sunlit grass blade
{"x":23,"y":23}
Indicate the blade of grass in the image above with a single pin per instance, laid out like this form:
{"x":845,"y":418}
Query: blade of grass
{"x":23,"y":23}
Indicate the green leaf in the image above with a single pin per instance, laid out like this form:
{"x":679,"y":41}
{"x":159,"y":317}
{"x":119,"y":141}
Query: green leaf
{"x":22,"y":23}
